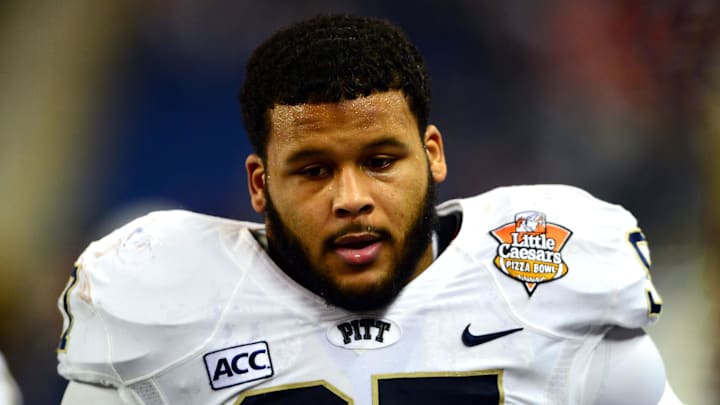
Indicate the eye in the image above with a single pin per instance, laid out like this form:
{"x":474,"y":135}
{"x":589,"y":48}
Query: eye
{"x":314,"y":171}
{"x":380,"y":162}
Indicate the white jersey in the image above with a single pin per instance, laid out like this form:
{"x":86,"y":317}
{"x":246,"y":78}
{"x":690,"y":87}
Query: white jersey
{"x":9,"y":391}
{"x":182,"y":308}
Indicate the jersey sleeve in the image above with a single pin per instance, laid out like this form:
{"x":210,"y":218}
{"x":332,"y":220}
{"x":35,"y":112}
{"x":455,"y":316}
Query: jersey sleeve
{"x":611,"y":259}
{"x":565,"y":261}
{"x":637,"y":302}
{"x":624,"y":368}
{"x":78,"y":394}
{"x":141,"y":299}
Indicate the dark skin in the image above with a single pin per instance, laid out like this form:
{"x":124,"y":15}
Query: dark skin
{"x":349,"y":182}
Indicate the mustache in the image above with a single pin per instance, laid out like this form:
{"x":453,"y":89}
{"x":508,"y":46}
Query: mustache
{"x":381,"y":233}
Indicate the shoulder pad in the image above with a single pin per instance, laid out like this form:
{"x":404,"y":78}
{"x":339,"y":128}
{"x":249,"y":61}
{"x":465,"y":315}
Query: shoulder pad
{"x":564,"y":260}
{"x":147,"y":295}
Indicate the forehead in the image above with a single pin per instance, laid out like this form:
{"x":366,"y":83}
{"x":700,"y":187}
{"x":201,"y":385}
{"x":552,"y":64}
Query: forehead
{"x":358,"y":120}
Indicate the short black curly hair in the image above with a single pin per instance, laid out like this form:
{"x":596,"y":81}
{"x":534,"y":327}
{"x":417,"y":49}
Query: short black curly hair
{"x":331,"y":58}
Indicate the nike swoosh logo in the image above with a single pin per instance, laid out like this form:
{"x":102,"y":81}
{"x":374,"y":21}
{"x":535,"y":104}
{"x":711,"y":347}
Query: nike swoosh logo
{"x":471,"y":340}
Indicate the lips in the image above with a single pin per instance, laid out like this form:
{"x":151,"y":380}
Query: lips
{"x":358,"y":249}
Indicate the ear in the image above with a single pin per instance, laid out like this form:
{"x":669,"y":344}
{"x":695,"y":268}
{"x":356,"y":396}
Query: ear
{"x":256,"y":182}
{"x":435,"y":153}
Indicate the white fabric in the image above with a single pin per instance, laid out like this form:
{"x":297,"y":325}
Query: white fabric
{"x":669,"y":397}
{"x":619,"y":365}
{"x":156,"y":296}
{"x":626,"y":366}
{"x":9,"y":391}
{"x":78,"y":393}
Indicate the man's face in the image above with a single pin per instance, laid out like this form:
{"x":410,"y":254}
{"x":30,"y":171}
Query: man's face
{"x":347,"y":192}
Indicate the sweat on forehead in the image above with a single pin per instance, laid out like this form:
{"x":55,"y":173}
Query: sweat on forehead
{"x":361,"y":111}
{"x":360,"y":120}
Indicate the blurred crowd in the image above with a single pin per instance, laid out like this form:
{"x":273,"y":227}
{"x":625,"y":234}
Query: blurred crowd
{"x":112,"y":109}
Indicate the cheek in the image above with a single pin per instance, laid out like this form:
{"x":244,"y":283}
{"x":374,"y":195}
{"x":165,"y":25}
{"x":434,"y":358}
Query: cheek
{"x":301,"y":217}
{"x":407,"y":202}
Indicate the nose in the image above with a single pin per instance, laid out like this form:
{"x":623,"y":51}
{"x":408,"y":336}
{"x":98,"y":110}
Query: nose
{"x":352,"y":195}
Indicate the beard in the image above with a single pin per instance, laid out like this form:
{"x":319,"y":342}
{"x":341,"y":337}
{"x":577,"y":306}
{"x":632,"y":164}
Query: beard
{"x":289,"y":253}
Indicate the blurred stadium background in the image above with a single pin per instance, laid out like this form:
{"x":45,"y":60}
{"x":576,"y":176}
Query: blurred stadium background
{"x":110,"y":109}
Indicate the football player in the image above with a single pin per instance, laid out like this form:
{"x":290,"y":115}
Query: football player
{"x":357,"y":289}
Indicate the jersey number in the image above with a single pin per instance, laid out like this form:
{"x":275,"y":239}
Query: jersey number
{"x":65,"y":308}
{"x":638,"y":241}
{"x":478,"y":388}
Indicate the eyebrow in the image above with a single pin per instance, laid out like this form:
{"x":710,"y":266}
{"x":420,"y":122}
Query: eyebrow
{"x":310,"y":153}
{"x":386,"y":142}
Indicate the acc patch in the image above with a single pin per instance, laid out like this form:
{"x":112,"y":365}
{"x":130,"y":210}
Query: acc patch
{"x":530,"y":249}
{"x":238,"y":365}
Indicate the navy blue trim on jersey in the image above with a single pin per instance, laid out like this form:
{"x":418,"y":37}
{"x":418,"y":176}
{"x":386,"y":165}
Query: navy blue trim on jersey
{"x":635,"y":238}
{"x":62,"y":346}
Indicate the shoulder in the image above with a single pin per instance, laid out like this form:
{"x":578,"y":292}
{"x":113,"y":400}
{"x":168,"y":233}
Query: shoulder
{"x":552,"y":197}
{"x":159,"y":230}
{"x":562,"y":257}
{"x":160,"y":257}
{"x":149,"y":293}
{"x":161,"y":243}
{"x":534,"y":210}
